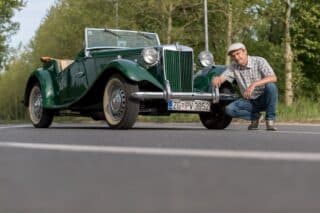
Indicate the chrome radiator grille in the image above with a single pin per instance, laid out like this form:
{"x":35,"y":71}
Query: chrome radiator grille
{"x":178,"y":70}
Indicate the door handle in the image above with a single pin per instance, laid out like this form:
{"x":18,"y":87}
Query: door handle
{"x":80,"y":74}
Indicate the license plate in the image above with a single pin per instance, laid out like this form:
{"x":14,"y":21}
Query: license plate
{"x":189,"y":105}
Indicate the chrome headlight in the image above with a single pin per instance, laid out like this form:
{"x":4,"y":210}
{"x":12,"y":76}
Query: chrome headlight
{"x":150,"y":56}
{"x":206,"y":59}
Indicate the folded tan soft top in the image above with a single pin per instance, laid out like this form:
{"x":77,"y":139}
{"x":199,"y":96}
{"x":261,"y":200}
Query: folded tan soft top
{"x":62,"y":63}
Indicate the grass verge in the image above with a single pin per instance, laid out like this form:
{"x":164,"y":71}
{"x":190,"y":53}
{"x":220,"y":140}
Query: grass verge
{"x":302,"y":111}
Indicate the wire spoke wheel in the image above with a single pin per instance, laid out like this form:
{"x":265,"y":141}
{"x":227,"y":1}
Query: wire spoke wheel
{"x":40,"y":117}
{"x":120,"y":111}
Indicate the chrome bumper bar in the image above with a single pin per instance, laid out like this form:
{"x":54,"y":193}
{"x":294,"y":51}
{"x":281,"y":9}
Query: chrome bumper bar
{"x":215,"y":96}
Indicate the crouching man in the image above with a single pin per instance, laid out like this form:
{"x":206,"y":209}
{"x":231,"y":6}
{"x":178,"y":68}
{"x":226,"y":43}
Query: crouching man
{"x":256,"y":80}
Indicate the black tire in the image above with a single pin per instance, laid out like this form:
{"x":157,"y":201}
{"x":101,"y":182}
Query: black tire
{"x":98,"y":116}
{"x":217,"y":118}
{"x":119,"y":109}
{"x":40,"y":117}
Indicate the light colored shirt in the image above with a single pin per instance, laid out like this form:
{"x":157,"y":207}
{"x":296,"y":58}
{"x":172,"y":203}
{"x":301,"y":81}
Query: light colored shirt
{"x":256,"y":69}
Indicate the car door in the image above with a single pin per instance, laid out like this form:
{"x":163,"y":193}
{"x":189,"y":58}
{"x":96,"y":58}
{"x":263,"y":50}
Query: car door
{"x":63,"y":81}
{"x":72,"y":82}
{"x":78,"y":80}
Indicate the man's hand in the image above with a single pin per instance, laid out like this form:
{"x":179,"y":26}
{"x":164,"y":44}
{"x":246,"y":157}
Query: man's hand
{"x":217,"y":81}
{"x":247,"y":94}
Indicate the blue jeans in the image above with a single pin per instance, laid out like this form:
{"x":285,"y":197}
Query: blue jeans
{"x":250,"y":109}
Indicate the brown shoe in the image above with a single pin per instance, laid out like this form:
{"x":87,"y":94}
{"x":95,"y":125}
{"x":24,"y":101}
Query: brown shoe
{"x":270,"y":125}
{"x":255,"y":123}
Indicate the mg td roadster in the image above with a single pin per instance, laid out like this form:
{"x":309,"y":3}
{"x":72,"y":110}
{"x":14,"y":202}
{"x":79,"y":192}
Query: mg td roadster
{"x":121,"y":74}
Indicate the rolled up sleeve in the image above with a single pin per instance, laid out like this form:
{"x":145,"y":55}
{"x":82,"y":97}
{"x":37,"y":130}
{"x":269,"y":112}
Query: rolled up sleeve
{"x":228,"y":74}
{"x":265,"y":68}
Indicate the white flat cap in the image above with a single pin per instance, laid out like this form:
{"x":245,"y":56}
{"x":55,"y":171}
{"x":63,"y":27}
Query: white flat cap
{"x":235,"y":46}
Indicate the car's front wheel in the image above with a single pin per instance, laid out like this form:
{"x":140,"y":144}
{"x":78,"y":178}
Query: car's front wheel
{"x":120,"y":110}
{"x":40,"y":117}
{"x":216,"y":119}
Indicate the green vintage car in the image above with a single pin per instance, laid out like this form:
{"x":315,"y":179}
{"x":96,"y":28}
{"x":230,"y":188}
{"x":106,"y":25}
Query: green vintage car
{"x":121,"y":74}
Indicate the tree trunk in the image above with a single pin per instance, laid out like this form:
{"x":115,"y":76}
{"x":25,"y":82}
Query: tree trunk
{"x":229,"y":32}
{"x":169,"y":29}
{"x":288,"y":56}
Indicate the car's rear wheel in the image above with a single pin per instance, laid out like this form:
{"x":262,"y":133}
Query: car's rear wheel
{"x":120,"y":110}
{"x":40,"y":117}
{"x":98,"y":116}
{"x":217,"y":117}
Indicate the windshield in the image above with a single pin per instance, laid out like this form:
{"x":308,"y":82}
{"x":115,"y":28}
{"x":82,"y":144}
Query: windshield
{"x":108,"y":38}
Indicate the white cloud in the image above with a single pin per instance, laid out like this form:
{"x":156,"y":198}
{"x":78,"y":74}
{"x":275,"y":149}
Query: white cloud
{"x":30,"y":18}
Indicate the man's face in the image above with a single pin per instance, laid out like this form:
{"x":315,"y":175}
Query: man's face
{"x":240,"y":56}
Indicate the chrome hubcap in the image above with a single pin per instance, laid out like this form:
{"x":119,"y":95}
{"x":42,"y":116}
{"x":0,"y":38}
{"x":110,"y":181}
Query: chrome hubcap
{"x":117,"y":103}
{"x":36,"y":105}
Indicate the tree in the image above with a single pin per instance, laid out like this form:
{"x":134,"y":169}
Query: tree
{"x":232,"y":21}
{"x":305,"y":35}
{"x":288,"y":56}
{"x":7,"y":26}
{"x":172,"y":20}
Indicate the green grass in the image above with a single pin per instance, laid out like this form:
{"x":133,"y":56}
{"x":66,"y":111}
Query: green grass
{"x":302,"y":110}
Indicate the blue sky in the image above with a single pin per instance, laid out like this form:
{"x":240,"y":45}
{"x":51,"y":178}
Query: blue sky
{"x":30,"y":18}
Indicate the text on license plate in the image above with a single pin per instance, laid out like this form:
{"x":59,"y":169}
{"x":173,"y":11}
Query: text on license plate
{"x":189,"y":105}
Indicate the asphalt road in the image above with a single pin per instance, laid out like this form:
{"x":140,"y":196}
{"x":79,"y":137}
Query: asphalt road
{"x":161,"y":168}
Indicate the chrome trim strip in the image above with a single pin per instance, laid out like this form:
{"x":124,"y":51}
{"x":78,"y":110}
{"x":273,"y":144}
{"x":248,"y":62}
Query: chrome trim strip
{"x":175,"y":47}
{"x":192,"y":77}
{"x":214,"y":97}
{"x":168,"y":90}
{"x":164,"y":66}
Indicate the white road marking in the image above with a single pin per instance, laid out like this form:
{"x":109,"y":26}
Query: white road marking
{"x":298,"y":132}
{"x":229,"y":154}
{"x":14,"y":126}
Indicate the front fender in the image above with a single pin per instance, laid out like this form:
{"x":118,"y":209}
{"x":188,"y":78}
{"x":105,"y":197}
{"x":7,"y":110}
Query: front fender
{"x":133,"y":71}
{"x":44,"y":78}
{"x":202,"y":80}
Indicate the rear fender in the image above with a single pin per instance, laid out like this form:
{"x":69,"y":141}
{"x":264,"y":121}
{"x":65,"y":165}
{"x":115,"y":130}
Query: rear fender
{"x":44,"y":79}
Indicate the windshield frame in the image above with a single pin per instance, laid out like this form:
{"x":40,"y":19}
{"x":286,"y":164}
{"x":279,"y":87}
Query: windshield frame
{"x":115,"y":31}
